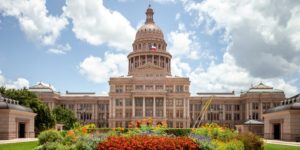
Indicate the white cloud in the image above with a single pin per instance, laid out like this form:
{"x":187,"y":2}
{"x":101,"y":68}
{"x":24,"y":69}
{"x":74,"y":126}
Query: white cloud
{"x":99,"y":70}
{"x":164,"y":1}
{"x":17,"y":84}
{"x":96,"y":24}
{"x":227,"y":76}
{"x":60,"y":49}
{"x":34,"y":19}
{"x":262,"y":36}
{"x":183,"y":44}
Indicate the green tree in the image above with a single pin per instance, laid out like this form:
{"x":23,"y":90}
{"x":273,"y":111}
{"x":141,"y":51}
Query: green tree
{"x":44,"y":118}
{"x":64,"y":116}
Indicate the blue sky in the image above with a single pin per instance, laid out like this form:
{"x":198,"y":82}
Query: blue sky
{"x":77,"y":46}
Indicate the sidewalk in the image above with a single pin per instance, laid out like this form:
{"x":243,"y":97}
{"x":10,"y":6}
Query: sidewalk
{"x":18,"y":140}
{"x":282,"y":142}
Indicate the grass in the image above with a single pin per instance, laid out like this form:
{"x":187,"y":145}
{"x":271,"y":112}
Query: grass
{"x":279,"y":147}
{"x":19,"y":146}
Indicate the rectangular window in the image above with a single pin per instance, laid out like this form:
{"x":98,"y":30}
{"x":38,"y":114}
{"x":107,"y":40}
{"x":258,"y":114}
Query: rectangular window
{"x":119,"y":113}
{"x":128,"y":88}
{"x":255,"y":115}
{"x":119,"y":88}
{"x":236,"y":116}
{"x":149,"y":112}
{"x":159,"y":87}
{"x":138,"y":102}
{"x":228,"y":116}
{"x":149,"y":87}
{"x":169,"y":113}
{"x":179,"y":124}
{"x":236,"y":107}
{"x":170,"y":124}
{"x":179,"y":113}
{"x":119,"y":102}
{"x":255,"y":106}
{"x":139,"y":87}
{"x":170,"y":102}
{"x":179,"y":88}
{"x":179,"y":102}
{"x":149,"y":102}
{"x":128,"y":113}
{"x":159,"y":102}
{"x":128,"y":102}
{"x":266,"y":106}
{"x":119,"y":124}
{"x":169,"y":88}
{"x":138,"y":112}
{"x":197,"y":107}
{"x":159,"y":112}
{"x":227,"y":107}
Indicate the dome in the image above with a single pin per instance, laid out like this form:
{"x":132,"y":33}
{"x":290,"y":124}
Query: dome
{"x":149,"y":30}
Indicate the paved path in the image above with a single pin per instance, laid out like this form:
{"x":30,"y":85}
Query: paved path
{"x":282,"y":142}
{"x":18,"y":140}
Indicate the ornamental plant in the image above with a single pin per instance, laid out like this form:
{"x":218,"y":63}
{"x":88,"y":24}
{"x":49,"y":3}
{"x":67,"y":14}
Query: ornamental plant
{"x":148,"y":142}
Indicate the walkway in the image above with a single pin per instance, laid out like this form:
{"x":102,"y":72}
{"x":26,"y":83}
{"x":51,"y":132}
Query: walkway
{"x":282,"y":142}
{"x":18,"y":140}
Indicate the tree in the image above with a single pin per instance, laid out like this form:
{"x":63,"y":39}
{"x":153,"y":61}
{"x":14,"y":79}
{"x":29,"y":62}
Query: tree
{"x":64,"y":116}
{"x":44,"y":118}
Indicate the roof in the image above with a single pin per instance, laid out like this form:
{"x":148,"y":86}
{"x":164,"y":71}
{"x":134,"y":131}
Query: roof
{"x":249,"y":122}
{"x":6,"y":103}
{"x":293,"y":106}
{"x":41,"y":87}
{"x":261,"y":88}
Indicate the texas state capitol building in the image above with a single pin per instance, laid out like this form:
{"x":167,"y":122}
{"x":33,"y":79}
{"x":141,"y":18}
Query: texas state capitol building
{"x":150,"y":90}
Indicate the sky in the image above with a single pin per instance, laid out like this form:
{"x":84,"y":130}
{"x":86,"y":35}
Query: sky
{"x":220,"y":46}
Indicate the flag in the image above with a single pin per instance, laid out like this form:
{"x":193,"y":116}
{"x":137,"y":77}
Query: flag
{"x":153,"y":48}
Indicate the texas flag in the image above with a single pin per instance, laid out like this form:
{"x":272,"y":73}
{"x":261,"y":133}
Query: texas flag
{"x":153,"y":48}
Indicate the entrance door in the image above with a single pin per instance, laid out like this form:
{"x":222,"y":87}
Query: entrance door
{"x":277,"y":131}
{"x":21,"y":130}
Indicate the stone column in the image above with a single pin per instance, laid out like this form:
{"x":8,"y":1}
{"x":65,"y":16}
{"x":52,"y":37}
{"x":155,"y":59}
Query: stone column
{"x":250,"y":109}
{"x":260,"y":110}
{"x":110,"y":108}
{"x":188,"y":108}
{"x":247,"y":111}
{"x":224,"y":113}
{"x":154,"y":107}
{"x":133,"y":106}
{"x":144,"y":107}
{"x":232,"y":113}
{"x":174,"y":108}
{"x":114,"y":107}
{"x":184,"y":108}
{"x":123,"y":107}
{"x":165,"y":107}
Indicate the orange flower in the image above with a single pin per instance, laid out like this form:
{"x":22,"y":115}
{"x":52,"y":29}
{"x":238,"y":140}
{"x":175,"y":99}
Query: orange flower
{"x":83,"y":130}
{"x":71,"y":133}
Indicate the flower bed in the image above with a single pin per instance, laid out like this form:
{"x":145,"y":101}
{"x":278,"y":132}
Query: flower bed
{"x":145,"y":136}
{"x":148,"y":142}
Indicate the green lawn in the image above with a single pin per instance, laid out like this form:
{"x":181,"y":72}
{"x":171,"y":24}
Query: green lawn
{"x":279,"y":147}
{"x":19,"y":146}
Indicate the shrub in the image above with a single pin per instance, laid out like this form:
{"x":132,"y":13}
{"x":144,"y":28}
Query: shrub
{"x":148,"y":142}
{"x":251,"y":141}
{"x":49,"y":136}
{"x":177,"y":131}
{"x":231,"y":145}
{"x":203,"y":141}
{"x":51,"y":146}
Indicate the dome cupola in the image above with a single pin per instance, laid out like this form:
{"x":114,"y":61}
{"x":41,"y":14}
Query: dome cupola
{"x":149,"y":50}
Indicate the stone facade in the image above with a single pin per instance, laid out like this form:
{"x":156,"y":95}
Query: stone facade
{"x":283,"y":122}
{"x":16,"y":121}
{"x":150,"y":90}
